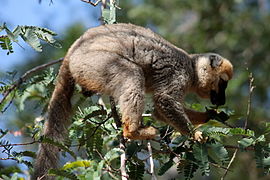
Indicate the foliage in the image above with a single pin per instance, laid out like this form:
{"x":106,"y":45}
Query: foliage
{"x":30,"y":34}
{"x":36,"y":88}
{"x":94,"y":136}
{"x":14,"y":155}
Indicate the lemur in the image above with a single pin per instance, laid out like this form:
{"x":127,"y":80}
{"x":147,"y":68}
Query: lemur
{"x":126,"y":61}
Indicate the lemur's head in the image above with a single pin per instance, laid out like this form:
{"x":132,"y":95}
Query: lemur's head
{"x":213,"y":73}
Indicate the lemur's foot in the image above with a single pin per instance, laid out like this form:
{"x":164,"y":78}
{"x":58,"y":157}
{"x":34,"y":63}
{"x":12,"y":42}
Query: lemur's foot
{"x":142,"y":133}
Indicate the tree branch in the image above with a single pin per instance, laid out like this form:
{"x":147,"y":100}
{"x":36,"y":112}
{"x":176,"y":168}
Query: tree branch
{"x":92,"y":3}
{"x":153,"y":176}
{"x":251,"y":88}
{"x":20,"y":144}
{"x":229,"y":165}
{"x":23,"y":78}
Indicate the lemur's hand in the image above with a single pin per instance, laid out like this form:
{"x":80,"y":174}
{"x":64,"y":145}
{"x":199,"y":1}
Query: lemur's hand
{"x":219,"y":116}
{"x":197,"y":136}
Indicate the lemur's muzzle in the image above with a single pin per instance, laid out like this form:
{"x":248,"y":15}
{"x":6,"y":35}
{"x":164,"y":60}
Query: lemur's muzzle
{"x":219,"y":98}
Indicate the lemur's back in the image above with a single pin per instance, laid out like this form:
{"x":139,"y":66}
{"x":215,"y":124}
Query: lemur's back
{"x":127,"y":40}
{"x":109,"y":49}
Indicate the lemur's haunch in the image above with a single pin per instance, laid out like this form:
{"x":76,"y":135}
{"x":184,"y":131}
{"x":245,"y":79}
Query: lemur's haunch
{"x":126,"y":61}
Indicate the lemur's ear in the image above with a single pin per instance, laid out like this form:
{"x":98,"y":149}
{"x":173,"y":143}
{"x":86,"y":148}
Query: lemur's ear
{"x":215,"y":60}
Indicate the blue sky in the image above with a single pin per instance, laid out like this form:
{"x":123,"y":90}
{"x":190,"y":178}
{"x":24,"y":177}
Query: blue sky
{"x":56,"y":16}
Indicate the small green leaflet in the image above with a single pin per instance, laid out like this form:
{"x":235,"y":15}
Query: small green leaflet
{"x":30,"y":34}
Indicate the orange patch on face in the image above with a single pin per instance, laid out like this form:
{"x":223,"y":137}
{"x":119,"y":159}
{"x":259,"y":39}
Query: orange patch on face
{"x":227,"y":68}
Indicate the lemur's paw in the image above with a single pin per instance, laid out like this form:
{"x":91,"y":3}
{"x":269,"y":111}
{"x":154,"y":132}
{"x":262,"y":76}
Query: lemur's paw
{"x":199,"y":137}
{"x":143,"y":133}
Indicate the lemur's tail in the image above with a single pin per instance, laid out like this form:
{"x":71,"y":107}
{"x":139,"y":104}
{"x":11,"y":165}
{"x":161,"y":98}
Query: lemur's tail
{"x":56,"y":124}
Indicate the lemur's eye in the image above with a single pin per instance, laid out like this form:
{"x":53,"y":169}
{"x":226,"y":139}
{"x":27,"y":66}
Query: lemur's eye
{"x":215,"y":61}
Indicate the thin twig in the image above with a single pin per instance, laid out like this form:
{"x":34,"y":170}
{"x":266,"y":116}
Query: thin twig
{"x":123,"y":162}
{"x":251,"y":88}
{"x":92,"y":3}
{"x":8,"y":159}
{"x":20,"y":144}
{"x":237,"y":147}
{"x":152,"y":166}
{"x":229,"y":165}
{"x":218,"y":166}
{"x":23,"y":78}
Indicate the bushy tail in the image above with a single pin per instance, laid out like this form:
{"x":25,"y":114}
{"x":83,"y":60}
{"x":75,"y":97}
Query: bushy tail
{"x":56,"y":124}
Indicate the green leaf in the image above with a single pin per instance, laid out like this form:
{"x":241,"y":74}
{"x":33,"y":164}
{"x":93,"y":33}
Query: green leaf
{"x":201,"y":155}
{"x":30,"y":37}
{"x":262,"y":156}
{"x":16,"y":32}
{"x":260,"y":139}
{"x":215,"y":132}
{"x":94,"y":142}
{"x":112,"y":154}
{"x":61,"y":145}
{"x":10,"y":34}
{"x":266,"y":161}
{"x":9,"y":170}
{"x":25,"y":153}
{"x":8,"y":100}
{"x":30,"y":34}
{"x":165,"y":167}
{"x":96,"y":113}
{"x":242,"y":132}
{"x":267,"y":128}
{"x":62,"y":173}
{"x":5,"y":44}
{"x":3,"y":133}
{"x":218,"y":152}
{"x":76,"y":164}
{"x":132,"y":148}
{"x":135,"y":168}
{"x":189,"y":170}
{"x":246,"y":142}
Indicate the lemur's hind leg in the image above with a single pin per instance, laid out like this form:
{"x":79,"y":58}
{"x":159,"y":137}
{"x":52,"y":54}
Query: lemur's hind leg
{"x":131,"y":101}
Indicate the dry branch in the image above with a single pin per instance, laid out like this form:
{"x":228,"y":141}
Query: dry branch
{"x":152,"y":166}
{"x":92,"y":3}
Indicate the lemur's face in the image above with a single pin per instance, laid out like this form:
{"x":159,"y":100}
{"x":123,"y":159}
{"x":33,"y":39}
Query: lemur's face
{"x":213,"y":72}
